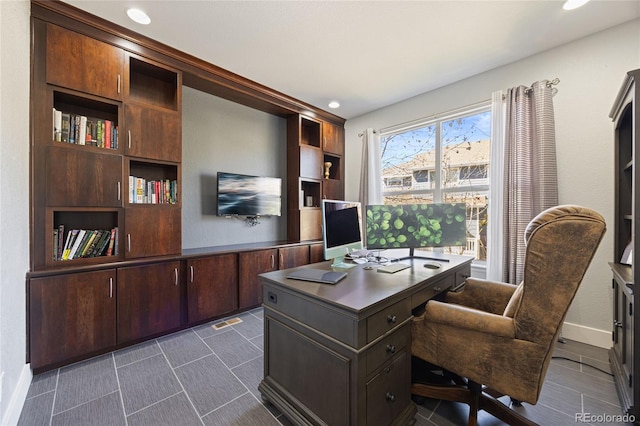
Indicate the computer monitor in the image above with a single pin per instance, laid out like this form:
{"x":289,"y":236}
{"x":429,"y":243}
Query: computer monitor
{"x":340,"y":230}
{"x":416,"y":226}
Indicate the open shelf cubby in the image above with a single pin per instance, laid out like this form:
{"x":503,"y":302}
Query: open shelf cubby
{"x":151,"y":84}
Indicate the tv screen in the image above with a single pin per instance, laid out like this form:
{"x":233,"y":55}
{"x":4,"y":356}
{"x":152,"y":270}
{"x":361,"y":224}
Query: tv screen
{"x":416,"y":225}
{"x":340,"y":229}
{"x":244,"y":195}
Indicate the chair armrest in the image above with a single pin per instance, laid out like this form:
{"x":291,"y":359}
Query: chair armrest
{"x":462,"y":317}
{"x":485,"y":295}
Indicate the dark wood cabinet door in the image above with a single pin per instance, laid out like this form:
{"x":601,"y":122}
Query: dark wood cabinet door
{"x":152,"y":231}
{"x":311,"y":162}
{"x":316,"y":253}
{"x":153,"y":133}
{"x":310,"y":224}
{"x":332,"y":189}
{"x":79,"y":178}
{"x":148,"y":300}
{"x":71,"y":316}
{"x":82,"y":63}
{"x":332,"y":138}
{"x":290,"y":257}
{"x":212,"y":286}
{"x":251,"y":264}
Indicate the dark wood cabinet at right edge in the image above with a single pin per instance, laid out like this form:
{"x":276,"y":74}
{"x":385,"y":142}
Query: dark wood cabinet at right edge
{"x":625,"y":267}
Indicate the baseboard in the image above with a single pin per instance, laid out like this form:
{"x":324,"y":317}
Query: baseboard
{"x":588,"y":335}
{"x":19,"y":396}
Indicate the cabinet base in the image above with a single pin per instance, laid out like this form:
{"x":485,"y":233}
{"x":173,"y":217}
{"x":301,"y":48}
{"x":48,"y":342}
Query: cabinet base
{"x":620,"y":379}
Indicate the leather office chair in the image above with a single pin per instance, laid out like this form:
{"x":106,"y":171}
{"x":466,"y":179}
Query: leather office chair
{"x":496,"y":339}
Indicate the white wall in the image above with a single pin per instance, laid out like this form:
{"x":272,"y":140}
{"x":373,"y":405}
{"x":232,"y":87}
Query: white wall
{"x":222,"y":136}
{"x":15,"y":375}
{"x":591,"y":71}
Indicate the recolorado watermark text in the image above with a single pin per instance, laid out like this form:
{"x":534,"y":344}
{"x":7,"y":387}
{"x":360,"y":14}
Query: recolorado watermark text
{"x":604,"y":418}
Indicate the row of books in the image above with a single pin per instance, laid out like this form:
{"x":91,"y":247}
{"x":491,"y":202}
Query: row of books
{"x":84,"y":243}
{"x":83,"y":130}
{"x":142,"y":191}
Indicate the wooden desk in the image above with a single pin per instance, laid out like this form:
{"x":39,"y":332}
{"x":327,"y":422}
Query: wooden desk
{"x":341,"y":354}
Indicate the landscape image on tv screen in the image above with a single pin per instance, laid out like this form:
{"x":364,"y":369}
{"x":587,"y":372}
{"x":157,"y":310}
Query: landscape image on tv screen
{"x":245,"y":195}
{"x":416,"y":225}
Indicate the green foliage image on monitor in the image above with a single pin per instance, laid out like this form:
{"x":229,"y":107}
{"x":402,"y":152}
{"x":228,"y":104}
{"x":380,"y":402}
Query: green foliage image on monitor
{"x":416,"y":225}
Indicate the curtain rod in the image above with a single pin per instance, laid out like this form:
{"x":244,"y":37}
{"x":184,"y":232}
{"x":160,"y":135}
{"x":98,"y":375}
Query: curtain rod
{"x":481,"y":104}
{"x":361,"y":134}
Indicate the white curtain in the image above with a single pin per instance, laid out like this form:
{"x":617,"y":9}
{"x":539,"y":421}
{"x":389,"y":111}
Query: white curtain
{"x":530,"y":172}
{"x":371,"y":171}
{"x":495,"y":230}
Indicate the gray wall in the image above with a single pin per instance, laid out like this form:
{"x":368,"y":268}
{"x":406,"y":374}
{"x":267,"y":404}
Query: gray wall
{"x":222,"y":136}
{"x":591,"y":71}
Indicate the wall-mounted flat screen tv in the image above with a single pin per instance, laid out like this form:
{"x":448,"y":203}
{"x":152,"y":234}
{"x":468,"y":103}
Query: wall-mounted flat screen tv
{"x":245,"y":195}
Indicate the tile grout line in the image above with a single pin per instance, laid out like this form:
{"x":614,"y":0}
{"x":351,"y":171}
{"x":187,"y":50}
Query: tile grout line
{"x":115,"y":367}
{"x":173,"y":370}
{"x":55,"y":395}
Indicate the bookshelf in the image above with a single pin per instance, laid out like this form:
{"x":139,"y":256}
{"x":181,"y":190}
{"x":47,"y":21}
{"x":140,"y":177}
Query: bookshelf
{"x":84,"y":66}
{"x":102,"y":126}
{"x":626,"y":324}
{"x":311,"y":145}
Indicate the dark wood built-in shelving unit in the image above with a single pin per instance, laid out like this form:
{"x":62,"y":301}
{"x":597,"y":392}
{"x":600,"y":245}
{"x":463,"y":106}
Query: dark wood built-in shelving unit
{"x":129,"y":88}
{"x":626,"y":324}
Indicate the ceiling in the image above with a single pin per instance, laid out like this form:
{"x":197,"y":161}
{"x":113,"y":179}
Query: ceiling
{"x":364,"y":54}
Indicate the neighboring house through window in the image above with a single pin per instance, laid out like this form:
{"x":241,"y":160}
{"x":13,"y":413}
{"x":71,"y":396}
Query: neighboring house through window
{"x":443,"y":160}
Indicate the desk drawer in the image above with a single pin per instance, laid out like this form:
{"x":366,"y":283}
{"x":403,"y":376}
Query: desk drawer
{"x":432,"y":290}
{"x":388,"y":347}
{"x":383,"y":321}
{"x":389,"y":393}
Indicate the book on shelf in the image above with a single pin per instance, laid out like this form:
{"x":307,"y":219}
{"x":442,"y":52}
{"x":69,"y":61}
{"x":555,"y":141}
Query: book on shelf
{"x":88,"y":240}
{"x":84,"y":243}
{"x":112,"y":240}
{"x":82,"y":130}
{"x":79,"y":239}
{"x":66,"y":127}
{"x":60,"y":246}
{"x":55,"y":244}
{"x":152,"y":191}
{"x":57,"y":125}
{"x":71,"y":236}
{"x":102,"y":244}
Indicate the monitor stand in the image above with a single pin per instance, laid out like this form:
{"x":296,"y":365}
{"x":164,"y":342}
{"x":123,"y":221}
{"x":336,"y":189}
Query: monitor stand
{"x":339,"y":263}
{"x":413,"y":256}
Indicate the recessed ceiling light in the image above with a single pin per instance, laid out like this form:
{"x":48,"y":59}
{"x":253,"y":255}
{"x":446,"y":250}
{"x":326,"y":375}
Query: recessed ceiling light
{"x":334,"y":104}
{"x":573,"y":4}
{"x":138,"y":16}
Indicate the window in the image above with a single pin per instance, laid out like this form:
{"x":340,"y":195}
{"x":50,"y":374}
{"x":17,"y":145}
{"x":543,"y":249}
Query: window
{"x":443,"y":160}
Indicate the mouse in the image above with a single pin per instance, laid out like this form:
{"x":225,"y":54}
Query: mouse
{"x":432,"y":265}
{"x":368,"y":268}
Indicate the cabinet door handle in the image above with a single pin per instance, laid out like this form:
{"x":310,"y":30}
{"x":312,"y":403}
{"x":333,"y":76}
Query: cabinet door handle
{"x":129,"y":243}
{"x":391,"y":319}
{"x":110,"y":288}
{"x":391,"y":349}
{"x":175,"y":281}
{"x":390,"y":397}
{"x":119,"y":78}
{"x":191,"y":269}
{"x":129,"y":138}
{"x":436,"y":289}
{"x":119,"y":190}
{"x":281,"y":260}
{"x":273,"y":261}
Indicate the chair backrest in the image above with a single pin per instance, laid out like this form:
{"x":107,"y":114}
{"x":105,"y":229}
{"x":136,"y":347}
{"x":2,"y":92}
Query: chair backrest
{"x":561,"y":242}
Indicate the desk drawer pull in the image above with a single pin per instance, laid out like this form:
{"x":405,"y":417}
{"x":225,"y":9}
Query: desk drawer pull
{"x":391,"y":319}
{"x":437,"y":289}
{"x":391,"y":349}
{"x":390,"y":397}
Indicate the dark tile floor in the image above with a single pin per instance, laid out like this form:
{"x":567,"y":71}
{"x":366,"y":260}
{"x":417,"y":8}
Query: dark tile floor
{"x":204,"y":376}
